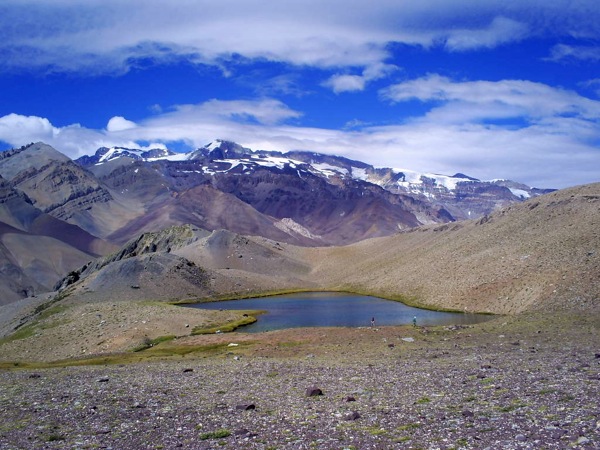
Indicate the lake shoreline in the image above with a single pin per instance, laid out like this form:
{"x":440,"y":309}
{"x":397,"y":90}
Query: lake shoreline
{"x":328,"y":308}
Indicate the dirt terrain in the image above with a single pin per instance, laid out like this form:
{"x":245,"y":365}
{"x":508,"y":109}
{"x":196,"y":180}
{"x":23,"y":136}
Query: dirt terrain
{"x":108,"y":363}
{"x":529,"y":382}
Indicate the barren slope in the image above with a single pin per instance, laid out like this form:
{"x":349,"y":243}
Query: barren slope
{"x":26,"y":267}
{"x":539,"y":254}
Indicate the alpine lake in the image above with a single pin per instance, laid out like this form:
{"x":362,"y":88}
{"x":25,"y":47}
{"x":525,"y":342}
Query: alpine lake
{"x":332,"y":309}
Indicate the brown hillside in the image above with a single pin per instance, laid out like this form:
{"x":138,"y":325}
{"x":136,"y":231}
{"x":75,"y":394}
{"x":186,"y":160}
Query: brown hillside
{"x":539,"y":254}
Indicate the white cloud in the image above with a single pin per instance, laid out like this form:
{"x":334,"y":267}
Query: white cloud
{"x":554,"y":146}
{"x":72,"y":140}
{"x":15,"y":128}
{"x":349,"y":83}
{"x":562,"y":51}
{"x":155,"y":108}
{"x":493,"y":99}
{"x":119,"y":123}
{"x":346,"y":83}
{"x":514,"y":128}
{"x":112,"y":36}
{"x":500,"y":31}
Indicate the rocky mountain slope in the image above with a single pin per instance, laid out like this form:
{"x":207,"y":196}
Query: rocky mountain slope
{"x":91,"y":205}
{"x":537,"y":258}
{"x":452,"y":197}
{"x":255,"y":193}
{"x":542,"y":253}
{"x":36,"y":248}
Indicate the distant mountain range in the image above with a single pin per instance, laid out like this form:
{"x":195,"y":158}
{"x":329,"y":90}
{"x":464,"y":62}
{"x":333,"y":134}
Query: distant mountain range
{"x":57,"y":214}
{"x":460,"y":195}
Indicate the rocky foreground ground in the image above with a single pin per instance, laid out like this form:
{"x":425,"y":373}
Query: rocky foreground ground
{"x":528,"y":382}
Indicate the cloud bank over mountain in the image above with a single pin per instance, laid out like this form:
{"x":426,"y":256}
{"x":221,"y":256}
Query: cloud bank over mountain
{"x":498,"y":87}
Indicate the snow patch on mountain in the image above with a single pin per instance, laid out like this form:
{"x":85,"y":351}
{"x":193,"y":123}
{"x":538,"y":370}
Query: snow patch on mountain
{"x":416,"y":179}
{"x":520,"y":193}
{"x":275,"y":161}
{"x":222,"y":157}
{"x":108,"y":154}
{"x":171,"y":157}
{"x":359,"y":173}
{"x":329,"y":170}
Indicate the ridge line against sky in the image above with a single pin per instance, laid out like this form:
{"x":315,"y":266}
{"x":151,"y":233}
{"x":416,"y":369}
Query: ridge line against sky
{"x":494,"y":89}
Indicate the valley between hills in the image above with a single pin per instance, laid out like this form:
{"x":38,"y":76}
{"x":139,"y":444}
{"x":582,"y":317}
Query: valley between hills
{"x":110,"y":360}
{"x":533,"y":257}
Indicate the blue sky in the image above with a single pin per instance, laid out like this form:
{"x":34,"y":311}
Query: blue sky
{"x":493,"y":89}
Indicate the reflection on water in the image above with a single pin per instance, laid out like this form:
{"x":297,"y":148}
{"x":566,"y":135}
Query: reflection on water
{"x":327,"y":309}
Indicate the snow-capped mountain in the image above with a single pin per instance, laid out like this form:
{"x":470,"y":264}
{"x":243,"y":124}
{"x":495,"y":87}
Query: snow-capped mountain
{"x":105,"y":154}
{"x":76,"y":210}
{"x":463,"y":196}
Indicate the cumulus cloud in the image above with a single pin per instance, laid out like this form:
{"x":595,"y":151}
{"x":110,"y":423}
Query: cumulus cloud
{"x":193,"y":124}
{"x":349,"y":83}
{"x":15,"y":128}
{"x":119,"y":123}
{"x":550,"y":144}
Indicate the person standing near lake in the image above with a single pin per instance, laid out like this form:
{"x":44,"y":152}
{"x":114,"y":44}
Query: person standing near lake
{"x":372,"y":321}
{"x":414,"y":321}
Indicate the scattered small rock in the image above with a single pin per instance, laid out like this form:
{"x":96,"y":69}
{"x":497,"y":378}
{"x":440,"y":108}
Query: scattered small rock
{"x":349,"y":399}
{"x":246,"y":406}
{"x":243,"y":432}
{"x":102,"y":380}
{"x":188,"y":370}
{"x":313,"y":392}
{"x":35,"y":375}
{"x":352,"y":416}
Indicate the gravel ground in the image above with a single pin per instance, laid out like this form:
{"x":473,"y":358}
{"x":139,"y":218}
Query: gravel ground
{"x":500,"y":385}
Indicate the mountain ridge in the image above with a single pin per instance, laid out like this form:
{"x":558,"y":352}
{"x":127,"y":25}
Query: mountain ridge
{"x":537,"y":255}
{"x":97,"y":203}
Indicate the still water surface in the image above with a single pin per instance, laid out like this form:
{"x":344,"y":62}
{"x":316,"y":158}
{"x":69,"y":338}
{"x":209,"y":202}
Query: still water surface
{"x":327,"y":309}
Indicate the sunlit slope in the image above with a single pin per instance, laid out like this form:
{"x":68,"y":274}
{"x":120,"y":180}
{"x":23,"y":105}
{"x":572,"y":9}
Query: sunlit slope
{"x":543,"y":253}
{"x":539,"y":254}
